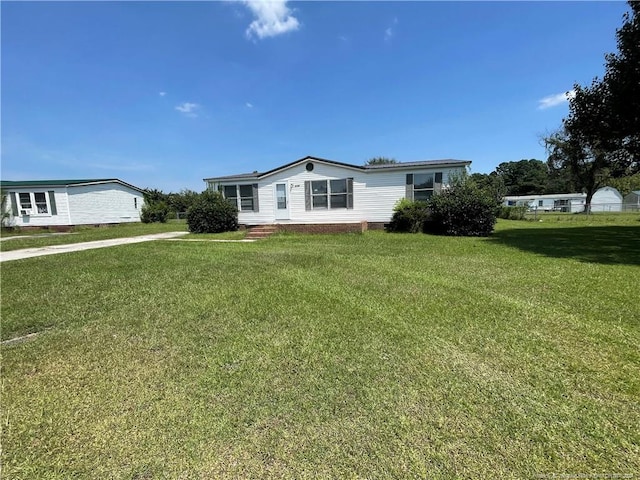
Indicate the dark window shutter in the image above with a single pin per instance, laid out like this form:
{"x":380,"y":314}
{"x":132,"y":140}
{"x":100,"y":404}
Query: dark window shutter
{"x":255,"y":198}
{"x":409,"y":190}
{"x":307,"y":195}
{"x":14,"y":204}
{"x":52,"y":202}
{"x":349,"y":192}
{"x":437,"y":184}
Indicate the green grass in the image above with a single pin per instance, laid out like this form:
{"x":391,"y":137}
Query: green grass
{"x":346,"y":356}
{"x":86,"y":234}
{"x":238,"y":235}
{"x":596,"y":218}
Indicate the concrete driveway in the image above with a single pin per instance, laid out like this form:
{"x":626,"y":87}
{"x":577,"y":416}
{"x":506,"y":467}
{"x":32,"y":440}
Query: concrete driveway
{"x":76,"y":247}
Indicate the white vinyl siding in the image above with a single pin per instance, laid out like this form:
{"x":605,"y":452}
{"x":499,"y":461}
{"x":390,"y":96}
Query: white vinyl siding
{"x":375,"y":192}
{"x":104,"y":203}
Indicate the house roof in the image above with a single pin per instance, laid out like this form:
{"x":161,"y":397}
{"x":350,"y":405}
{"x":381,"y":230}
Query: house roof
{"x":560,"y":196}
{"x":63,"y":183}
{"x":390,"y":166}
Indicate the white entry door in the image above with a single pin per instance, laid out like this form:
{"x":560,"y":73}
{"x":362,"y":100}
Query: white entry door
{"x":282,"y":201}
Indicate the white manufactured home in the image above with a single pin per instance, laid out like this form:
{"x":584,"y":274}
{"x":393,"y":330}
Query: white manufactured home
{"x":606,"y":199}
{"x":63,"y":203}
{"x":320,"y":192}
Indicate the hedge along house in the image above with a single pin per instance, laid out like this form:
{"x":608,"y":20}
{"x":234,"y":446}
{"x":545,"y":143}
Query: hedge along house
{"x":64,"y":203}
{"x":317,"y":195}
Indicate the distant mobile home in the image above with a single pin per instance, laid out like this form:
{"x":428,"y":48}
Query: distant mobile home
{"x":606,"y":199}
{"x":315,"y":194}
{"x":63,"y":203}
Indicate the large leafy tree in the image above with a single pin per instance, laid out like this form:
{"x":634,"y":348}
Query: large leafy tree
{"x":622,"y":79}
{"x":525,"y":177}
{"x":600,"y":138}
{"x":490,"y":183}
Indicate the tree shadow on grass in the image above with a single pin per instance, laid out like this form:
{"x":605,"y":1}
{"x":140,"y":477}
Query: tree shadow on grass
{"x":611,"y":245}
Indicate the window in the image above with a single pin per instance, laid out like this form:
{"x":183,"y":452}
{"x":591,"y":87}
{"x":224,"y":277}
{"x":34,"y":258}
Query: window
{"x":41,"y":202}
{"x":540,"y":203}
{"x":281,"y":196}
{"x":319,"y":191}
{"x":25,"y":201}
{"x":135,"y":202}
{"x":328,"y":194}
{"x":421,"y":186}
{"x":37,"y":203}
{"x":244,"y":197}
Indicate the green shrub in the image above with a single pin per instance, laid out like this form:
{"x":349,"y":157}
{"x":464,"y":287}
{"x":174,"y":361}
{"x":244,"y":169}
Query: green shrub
{"x":154,"y":212}
{"x":462,"y":210}
{"x":513,"y":213}
{"x":408,"y":216}
{"x":211,"y":213}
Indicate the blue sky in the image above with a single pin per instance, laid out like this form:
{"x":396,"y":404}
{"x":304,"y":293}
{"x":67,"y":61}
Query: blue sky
{"x":164,"y":94}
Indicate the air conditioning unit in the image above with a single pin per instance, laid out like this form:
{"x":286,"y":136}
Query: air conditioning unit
{"x":26,"y":211}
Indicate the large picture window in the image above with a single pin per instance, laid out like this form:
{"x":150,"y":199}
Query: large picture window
{"x":422,"y":186}
{"x":244,"y":197}
{"x":328,"y":194}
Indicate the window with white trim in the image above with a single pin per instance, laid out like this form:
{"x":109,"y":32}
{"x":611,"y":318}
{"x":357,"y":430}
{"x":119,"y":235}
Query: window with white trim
{"x":35,"y":203}
{"x":328,"y":194}
{"x":244,"y":197}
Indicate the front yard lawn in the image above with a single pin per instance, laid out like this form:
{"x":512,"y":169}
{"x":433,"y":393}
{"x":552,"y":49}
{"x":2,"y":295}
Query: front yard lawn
{"x":345,"y":356}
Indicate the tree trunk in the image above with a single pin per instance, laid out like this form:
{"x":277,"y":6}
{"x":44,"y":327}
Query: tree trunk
{"x":587,"y":203}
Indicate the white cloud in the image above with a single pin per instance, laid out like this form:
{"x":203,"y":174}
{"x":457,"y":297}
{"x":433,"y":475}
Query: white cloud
{"x":389,"y":32}
{"x":162,"y":94}
{"x":555,"y":100}
{"x":273,"y":18}
{"x":249,"y":105}
{"x":188,"y":109}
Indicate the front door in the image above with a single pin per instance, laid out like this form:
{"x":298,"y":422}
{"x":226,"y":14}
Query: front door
{"x":282,"y":202}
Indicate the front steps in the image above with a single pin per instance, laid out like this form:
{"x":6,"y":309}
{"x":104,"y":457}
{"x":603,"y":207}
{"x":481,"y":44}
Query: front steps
{"x":259,"y":232}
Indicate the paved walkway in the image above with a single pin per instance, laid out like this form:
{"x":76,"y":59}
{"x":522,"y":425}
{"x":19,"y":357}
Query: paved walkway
{"x":39,"y":235}
{"x":76,"y":247}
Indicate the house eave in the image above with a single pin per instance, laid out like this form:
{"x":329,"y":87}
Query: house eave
{"x":62,"y":184}
{"x":366,"y":169}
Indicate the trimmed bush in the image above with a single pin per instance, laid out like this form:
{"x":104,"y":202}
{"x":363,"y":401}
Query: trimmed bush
{"x":513,"y":213}
{"x":408,"y":216}
{"x":154,"y":212}
{"x":211,"y":213}
{"x":462,"y":210}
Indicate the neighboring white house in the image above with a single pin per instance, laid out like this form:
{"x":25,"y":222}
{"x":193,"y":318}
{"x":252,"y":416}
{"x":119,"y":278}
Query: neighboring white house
{"x":606,"y":199}
{"x":51,"y":203}
{"x":315,"y":191}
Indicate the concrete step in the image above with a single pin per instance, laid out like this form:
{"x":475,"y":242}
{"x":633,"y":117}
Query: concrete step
{"x":260,"y":231}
